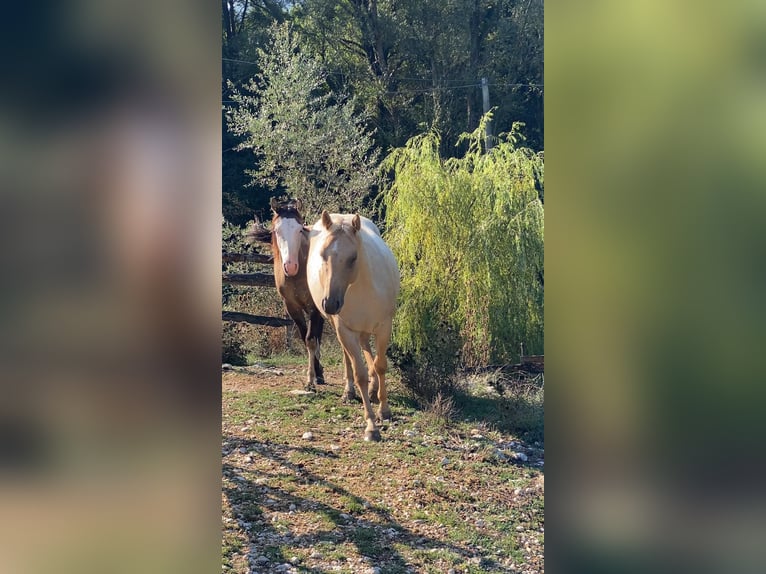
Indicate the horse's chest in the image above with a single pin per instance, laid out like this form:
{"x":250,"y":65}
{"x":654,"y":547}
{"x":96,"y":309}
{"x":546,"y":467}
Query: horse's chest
{"x":293,"y":289}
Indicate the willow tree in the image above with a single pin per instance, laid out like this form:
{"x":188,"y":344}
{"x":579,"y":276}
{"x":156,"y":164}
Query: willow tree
{"x":468,"y":235}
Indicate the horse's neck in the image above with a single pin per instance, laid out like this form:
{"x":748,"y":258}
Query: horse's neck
{"x":366,"y":271}
{"x":275,"y":249}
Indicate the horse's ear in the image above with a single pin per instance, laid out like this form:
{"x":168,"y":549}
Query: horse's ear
{"x":356,"y":223}
{"x":326,"y":219}
{"x":298,"y":205}
{"x":273,"y":203}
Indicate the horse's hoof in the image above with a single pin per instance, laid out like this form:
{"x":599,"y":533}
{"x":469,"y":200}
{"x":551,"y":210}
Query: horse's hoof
{"x":384,"y":415}
{"x":372,"y":435}
{"x":346,"y":398}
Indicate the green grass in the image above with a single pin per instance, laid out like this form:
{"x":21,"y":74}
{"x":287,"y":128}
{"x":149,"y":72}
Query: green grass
{"x":398,"y":485}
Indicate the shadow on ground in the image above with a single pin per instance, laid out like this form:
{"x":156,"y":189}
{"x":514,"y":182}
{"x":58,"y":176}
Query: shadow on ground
{"x":255,"y":500}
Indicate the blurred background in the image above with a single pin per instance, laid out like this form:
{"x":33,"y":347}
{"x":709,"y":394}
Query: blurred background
{"x":110,"y":216}
{"x":655,"y":318}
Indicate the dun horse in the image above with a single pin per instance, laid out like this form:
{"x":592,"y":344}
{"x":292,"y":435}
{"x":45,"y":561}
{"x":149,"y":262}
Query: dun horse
{"x":354,"y":280}
{"x":290,"y":245}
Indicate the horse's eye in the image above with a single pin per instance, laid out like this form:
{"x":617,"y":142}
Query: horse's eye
{"x":352,"y":261}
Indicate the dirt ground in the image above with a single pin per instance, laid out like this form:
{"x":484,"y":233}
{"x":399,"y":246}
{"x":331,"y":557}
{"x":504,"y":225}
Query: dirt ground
{"x":302,"y":492}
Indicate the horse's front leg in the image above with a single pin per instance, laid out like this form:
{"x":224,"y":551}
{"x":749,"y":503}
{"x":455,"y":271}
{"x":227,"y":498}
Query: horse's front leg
{"x":313,"y":340}
{"x":349,"y":393}
{"x":364,"y":341}
{"x":349,"y":340}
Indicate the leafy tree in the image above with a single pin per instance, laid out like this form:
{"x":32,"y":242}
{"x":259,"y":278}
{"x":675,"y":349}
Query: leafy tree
{"x":417,"y":65}
{"x":468,"y":234}
{"x":308,"y":141}
{"x":245,"y":26}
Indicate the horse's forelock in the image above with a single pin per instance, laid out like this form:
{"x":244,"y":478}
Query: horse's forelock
{"x":287,"y":211}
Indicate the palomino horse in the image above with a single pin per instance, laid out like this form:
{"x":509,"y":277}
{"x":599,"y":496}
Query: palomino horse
{"x":354,"y":279}
{"x":290,"y":245}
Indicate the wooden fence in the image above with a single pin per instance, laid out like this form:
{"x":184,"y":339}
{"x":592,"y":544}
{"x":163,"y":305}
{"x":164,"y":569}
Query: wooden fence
{"x":251,"y":280}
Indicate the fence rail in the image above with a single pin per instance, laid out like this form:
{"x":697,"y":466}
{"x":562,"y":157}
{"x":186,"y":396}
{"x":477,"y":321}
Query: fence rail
{"x":227,"y":257}
{"x":237,"y":317}
{"x":250,"y":280}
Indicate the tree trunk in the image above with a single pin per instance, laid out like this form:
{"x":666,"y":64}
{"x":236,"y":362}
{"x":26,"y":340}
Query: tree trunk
{"x":228,"y":20}
{"x":473,"y":65}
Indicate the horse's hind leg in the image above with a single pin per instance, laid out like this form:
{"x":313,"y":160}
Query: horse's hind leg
{"x":382,"y":339}
{"x":364,"y":341}
{"x":313,"y":340}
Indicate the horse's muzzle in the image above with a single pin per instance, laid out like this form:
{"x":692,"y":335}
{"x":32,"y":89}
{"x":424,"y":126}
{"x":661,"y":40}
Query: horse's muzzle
{"x":291,"y":269}
{"x":332,"y":305}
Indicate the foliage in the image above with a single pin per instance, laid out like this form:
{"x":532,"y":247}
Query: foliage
{"x":468,"y":235}
{"x":410,"y":66}
{"x":308,"y":141}
{"x":418,"y":64}
{"x":233,"y":346}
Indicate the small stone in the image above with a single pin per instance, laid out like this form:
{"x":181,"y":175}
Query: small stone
{"x":519,"y":529}
{"x":409,"y":433}
{"x":451,"y":571}
{"x":261,"y":560}
{"x":242,"y":450}
{"x":374,"y":570}
{"x":445,"y":461}
{"x":248,"y":458}
{"x":520,"y":456}
{"x":481,"y":523}
{"x":315,"y":555}
{"x":292,"y":507}
{"x":294,"y":559}
{"x":335,"y":448}
{"x":308,"y":436}
{"x":345,"y":516}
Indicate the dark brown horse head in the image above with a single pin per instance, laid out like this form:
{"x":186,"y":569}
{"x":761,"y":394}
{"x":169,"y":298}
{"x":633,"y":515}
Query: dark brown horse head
{"x":287,"y":234}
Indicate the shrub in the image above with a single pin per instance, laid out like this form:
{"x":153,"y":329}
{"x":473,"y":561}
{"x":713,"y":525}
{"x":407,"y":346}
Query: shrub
{"x":233,"y":351}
